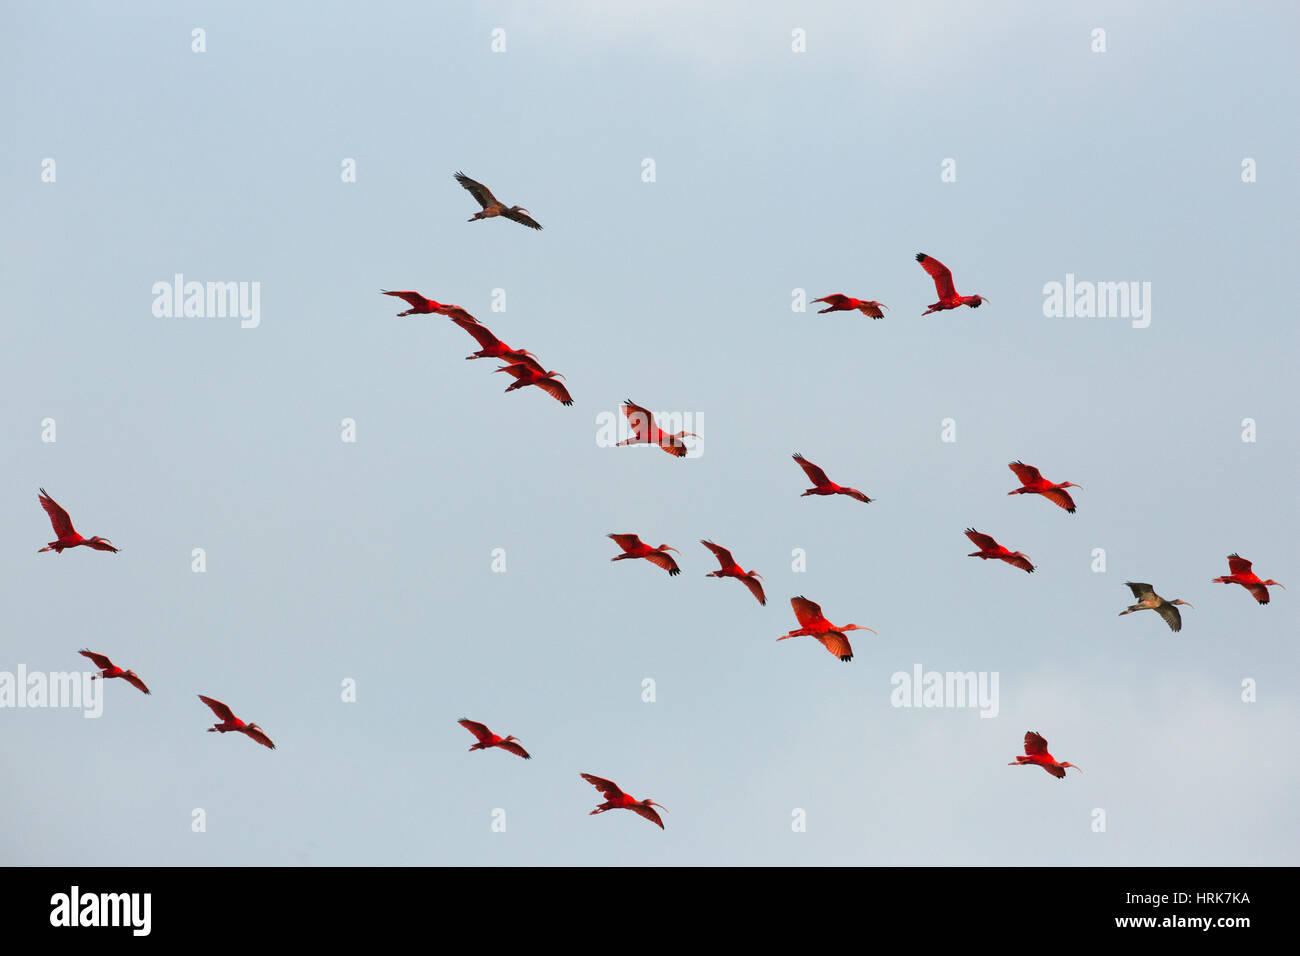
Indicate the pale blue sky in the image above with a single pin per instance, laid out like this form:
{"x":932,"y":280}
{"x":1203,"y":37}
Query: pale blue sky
{"x":775,"y":171}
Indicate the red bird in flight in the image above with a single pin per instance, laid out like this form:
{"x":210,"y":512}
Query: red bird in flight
{"x":1036,"y":755}
{"x":646,"y":431}
{"x":492,"y":347}
{"x":1243,"y":575}
{"x":824,"y":486}
{"x":109,"y":669}
{"x":730,"y":569}
{"x":229,"y":722}
{"x":488,"y":739}
{"x":842,"y":303}
{"x":616,"y":799}
{"x":529,"y":372}
{"x":419,"y":305}
{"x":1034,"y":483}
{"x":814,"y":624}
{"x":634,"y":547}
{"x":66,"y":534}
{"x":988,"y":548}
{"x":948,"y":297}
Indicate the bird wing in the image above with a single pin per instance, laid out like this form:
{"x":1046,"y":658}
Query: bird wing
{"x":674,"y":446}
{"x":1171,"y":616}
{"x":482,"y":334}
{"x":608,"y":787}
{"x":755,"y":588}
{"x":873,"y":309}
{"x":518,"y":370}
{"x":939,"y":273}
{"x":640,"y":419}
{"x":1061,"y":497}
{"x":101,"y":660}
{"x":1260,"y":592}
{"x":58,"y":517}
{"x":1238,"y":565}
{"x":627,"y":541}
{"x":982,"y":541}
{"x":455,"y":312}
{"x":482,"y":195}
{"x":474,"y":727}
{"x":837,"y":644}
{"x":835,"y":298}
{"x":1035,"y":743}
{"x":1053,"y":770}
{"x":1027,"y":474}
{"x":218,"y":708}
{"x":135,"y":682}
{"x":1018,"y":560}
{"x":412,"y":298}
{"x":815,"y":474}
{"x":515,"y":749}
{"x":261,"y":738}
{"x":663,"y":560}
{"x":554,"y":388}
{"x":648,"y":813}
{"x":854,"y":493}
{"x":722,"y":554}
{"x":527,"y":220}
{"x":805,"y":610}
{"x":1140,"y":590}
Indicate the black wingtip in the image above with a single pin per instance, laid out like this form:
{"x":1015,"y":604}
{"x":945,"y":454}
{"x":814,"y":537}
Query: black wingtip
{"x":921,"y":257}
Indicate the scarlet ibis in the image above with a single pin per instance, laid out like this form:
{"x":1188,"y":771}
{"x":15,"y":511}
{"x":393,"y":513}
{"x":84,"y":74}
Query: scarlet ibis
{"x":419,"y":305}
{"x":842,"y":303}
{"x":646,"y":431}
{"x":229,"y":722}
{"x":730,"y":569}
{"x":814,"y":624}
{"x":493,"y":347}
{"x":1243,"y":575}
{"x":66,"y":535}
{"x":109,"y":669}
{"x":1036,"y":755}
{"x":488,"y":739}
{"x":616,"y":799}
{"x":1148,"y":600}
{"x":988,"y":548}
{"x":528,"y":372}
{"x":948,"y":297}
{"x":1035,"y":484}
{"x":491,"y":206}
{"x":634,"y":547}
{"x":824,"y":486}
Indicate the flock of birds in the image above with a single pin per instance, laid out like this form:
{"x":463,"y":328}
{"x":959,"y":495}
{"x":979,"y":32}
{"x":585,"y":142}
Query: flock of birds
{"x":524,"y":367}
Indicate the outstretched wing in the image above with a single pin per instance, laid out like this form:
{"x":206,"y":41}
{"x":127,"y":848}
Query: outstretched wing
{"x":1140,"y":590}
{"x":755,"y":588}
{"x":58,"y":517}
{"x":1054,"y":770}
{"x":664,"y":560}
{"x":627,"y":541}
{"x":482,"y":334}
{"x":805,"y":610}
{"x":1027,"y":474}
{"x":674,"y":446}
{"x":837,"y":644}
{"x":722,"y":554}
{"x":1259,"y":591}
{"x":515,"y":749}
{"x":873,"y":309}
{"x":454,"y":312}
{"x":854,"y":493}
{"x":939,"y":273}
{"x":815,"y":474}
{"x":1238,"y":565}
{"x":1171,"y":616}
{"x":608,"y":787}
{"x":482,"y":195}
{"x":413,"y":299}
{"x":1018,"y":560}
{"x":553,"y":388}
{"x":835,"y":299}
{"x":255,"y":733}
{"x":642,"y":422}
{"x":1035,"y":744}
{"x":516,"y":216}
{"x":982,"y":541}
{"x":218,"y":708}
{"x":135,"y":682}
{"x":1061,"y":497}
{"x":478,"y":730}
{"x":518,"y":370}
{"x":648,"y":813}
{"x":101,"y":660}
